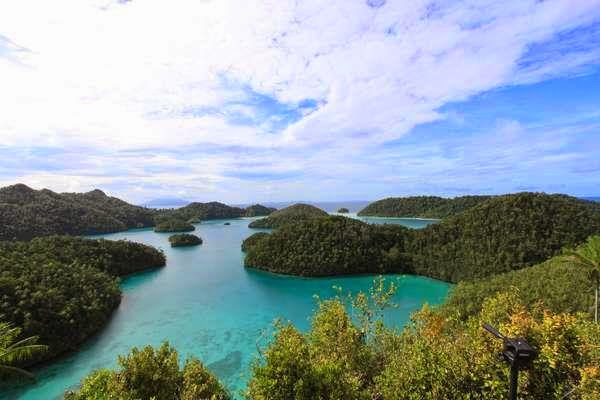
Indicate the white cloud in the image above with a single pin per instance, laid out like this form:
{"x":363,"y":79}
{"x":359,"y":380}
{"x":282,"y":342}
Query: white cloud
{"x":119,"y":76}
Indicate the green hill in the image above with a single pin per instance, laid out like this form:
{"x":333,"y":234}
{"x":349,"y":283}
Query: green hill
{"x":64,"y":289}
{"x":421,"y":206}
{"x":174,"y":225}
{"x":291,"y":214}
{"x":503,"y":233}
{"x":257,"y":210}
{"x":26,"y":213}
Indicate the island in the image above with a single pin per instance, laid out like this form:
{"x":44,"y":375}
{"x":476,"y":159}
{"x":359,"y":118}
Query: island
{"x":420,"y":206}
{"x":294,"y":213}
{"x":174,"y":225}
{"x":343,"y":210}
{"x":184,"y":240}
{"x":257,"y":210}
{"x":253,"y":240}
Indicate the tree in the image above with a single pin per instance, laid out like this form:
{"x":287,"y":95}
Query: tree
{"x":13,"y":351}
{"x":588,"y":256}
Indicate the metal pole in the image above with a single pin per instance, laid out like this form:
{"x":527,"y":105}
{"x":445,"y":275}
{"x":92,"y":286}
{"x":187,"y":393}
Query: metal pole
{"x":514,"y":382}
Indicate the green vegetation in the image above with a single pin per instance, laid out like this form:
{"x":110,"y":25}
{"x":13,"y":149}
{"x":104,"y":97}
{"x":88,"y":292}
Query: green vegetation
{"x":343,"y":210}
{"x":421,"y":206}
{"x":26,"y":213}
{"x":326,"y":246}
{"x":253,"y":240}
{"x":152,"y":373}
{"x":15,"y":350}
{"x":174,"y":225}
{"x":434,"y":357}
{"x":291,"y":214}
{"x":258,"y":210}
{"x":501,"y":234}
{"x":200,"y":212}
{"x":184,"y":239}
{"x":64,"y":289}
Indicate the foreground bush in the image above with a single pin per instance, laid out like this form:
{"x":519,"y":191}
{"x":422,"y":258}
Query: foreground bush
{"x":152,"y":373}
{"x":434,"y":357}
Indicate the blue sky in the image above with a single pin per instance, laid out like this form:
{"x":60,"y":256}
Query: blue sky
{"x":276,"y":101}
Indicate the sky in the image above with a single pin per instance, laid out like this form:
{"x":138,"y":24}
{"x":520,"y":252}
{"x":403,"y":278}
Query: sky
{"x":277,"y":100}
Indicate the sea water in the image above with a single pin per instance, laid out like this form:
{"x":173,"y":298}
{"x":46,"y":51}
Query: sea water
{"x":206,"y":304}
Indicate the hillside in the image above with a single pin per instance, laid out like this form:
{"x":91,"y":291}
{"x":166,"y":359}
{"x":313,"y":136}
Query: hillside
{"x":26,"y":213}
{"x":421,"y":206}
{"x":504,"y":233}
{"x":291,"y":214}
{"x":64,"y":289}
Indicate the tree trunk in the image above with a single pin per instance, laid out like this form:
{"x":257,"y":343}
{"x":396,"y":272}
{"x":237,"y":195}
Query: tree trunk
{"x":596,"y":305}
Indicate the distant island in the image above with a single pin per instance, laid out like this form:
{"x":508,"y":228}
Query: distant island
{"x":420,"y":206}
{"x":26,"y":213}
{"x":293,"y":213}
{"x":174,"y":225}
{"x":184,"y":240}
{"x":343,"y":210}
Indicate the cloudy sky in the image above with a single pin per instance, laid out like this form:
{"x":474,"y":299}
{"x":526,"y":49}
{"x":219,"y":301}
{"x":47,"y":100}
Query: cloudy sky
{"x":275,"y":100}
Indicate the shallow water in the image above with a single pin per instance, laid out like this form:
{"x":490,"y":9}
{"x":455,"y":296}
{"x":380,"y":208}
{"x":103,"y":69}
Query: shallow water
{"x":206,"y":304}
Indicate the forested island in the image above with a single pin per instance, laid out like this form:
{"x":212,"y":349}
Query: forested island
{"x":294,"y":213}
{"x":174,"y":225}
{"x":343,"y":210}
{"x":184,"y":240}
{"x":420,"y":206}
{"x":64,"y":289}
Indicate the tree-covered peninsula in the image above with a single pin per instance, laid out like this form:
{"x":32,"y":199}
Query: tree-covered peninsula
{"x":174,"y":225}
{"x":26,"y":213}
{"x":291,"y":214}
{"x":64,"y":289}
{"x":420,"y":206}
{"x":184,"y":240}
{"x":501,"y":234}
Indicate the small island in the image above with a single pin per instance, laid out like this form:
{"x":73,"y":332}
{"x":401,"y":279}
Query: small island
{"x":174,"y":225}
{"x":292,"y":214}
{"x":343,"y":210}
{"x":184,"y":240}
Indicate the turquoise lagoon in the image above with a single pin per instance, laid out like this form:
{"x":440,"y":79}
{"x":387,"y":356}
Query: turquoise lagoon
{"x":206,"y":304}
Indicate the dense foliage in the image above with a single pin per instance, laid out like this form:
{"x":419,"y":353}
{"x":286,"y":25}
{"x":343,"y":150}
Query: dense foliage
{"x":501,"y":234}
{"x":421,"y":206}
{"x":253,"y":239}
{"x":504,"y":233}
{"x":151,"y":373}
{"x":291,"y":214}
{"x":200,"y":211}
{"x":174,"y":225}
{"x":184,"y":239}
{"x":343,"y":210}
{"x":434,"y":357}
{"x":326,"y":246}
{"x":258,"y":210}
{"x":26,"y":213}
{"x":64,"y":289}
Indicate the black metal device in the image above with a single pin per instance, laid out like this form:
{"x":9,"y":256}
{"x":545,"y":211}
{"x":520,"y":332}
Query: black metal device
{"x":517,"y":353}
